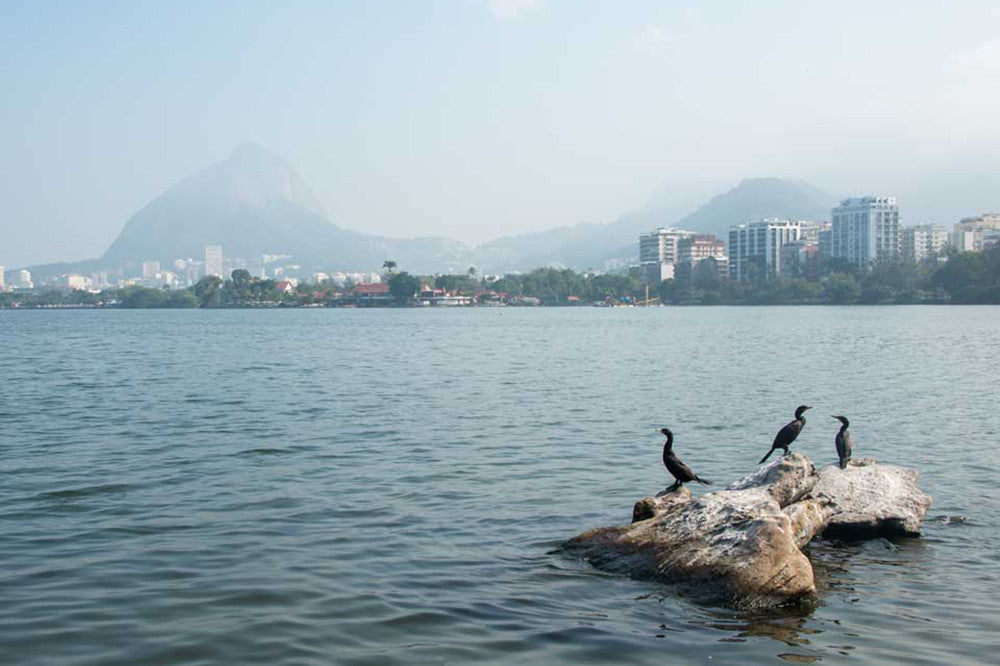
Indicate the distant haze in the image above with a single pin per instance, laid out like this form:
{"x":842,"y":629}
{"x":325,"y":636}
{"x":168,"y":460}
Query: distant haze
{"x":475,"y":120}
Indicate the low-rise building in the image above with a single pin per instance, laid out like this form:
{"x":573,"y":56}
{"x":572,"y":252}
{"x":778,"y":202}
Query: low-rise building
{"x":371,"y":293}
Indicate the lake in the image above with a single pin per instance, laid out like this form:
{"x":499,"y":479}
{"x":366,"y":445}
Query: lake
{"x":391,"y":486}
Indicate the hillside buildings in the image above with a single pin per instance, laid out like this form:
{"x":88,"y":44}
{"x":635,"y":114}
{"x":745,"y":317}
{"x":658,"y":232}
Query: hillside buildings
{"x":923,"y":241}
{"x":866,"y":229}
{"x":755,"y":247}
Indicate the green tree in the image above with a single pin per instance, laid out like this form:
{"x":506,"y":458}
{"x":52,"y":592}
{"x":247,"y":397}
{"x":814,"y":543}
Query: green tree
{"x":403,"y":286}
{"x":841,"y":289}
{"x":389,"y":266}
{"x":207,"y":291}
{"x":242,"y":282}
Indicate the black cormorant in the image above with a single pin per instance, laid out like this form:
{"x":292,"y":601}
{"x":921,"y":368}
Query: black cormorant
{"x":788,"y":434}
{"x":843,"y":441}
{"x":680,"y":471}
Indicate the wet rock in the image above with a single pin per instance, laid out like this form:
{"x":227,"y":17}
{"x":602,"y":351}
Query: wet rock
{"x":742,"y":545}
{"x":871,"y":499}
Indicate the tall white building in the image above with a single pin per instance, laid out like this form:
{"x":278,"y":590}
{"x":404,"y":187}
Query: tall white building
{"x":2,"y":286}
{"x":923,"y":241}
{"x":213,"y":260}
{"x":757,"y":246}
{"x":866,"y":229}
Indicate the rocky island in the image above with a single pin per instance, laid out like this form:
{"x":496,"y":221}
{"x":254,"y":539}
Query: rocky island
{"x":743,"y":545}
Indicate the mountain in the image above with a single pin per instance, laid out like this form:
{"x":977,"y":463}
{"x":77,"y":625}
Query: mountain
{"x":254,"y":203}
{"x":604,"y":245}
{"x":755,"y":198}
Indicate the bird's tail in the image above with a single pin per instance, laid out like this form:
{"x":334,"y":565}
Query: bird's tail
{"x":843,"y":463}
{"x":766,"y":457}
{"x":702,"y":481}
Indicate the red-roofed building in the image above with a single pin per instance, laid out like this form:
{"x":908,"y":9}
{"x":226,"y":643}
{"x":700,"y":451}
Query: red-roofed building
{"x":284,"y":287}
{"x":371,"y":293}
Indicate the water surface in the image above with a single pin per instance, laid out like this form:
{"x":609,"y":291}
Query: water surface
{"x":390,"y":486}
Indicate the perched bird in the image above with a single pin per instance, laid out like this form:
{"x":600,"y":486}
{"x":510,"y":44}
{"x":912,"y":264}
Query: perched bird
{"x":843,"y":441}
{"x":788,"y":434}
{"x":680,"y":471}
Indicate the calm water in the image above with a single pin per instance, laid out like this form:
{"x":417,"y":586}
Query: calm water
{"x":389,"y":487}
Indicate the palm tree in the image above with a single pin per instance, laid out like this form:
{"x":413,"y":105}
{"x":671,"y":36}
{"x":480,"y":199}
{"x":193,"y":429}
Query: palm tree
{"x":389,"y":266}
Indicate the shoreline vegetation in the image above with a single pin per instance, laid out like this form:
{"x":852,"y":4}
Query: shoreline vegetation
{"x":959,"y":278}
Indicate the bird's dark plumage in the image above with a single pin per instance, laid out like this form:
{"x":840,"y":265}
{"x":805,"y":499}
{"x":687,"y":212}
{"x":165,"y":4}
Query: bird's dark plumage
{"x":681,"y":472}
{"x":788,"y":434}
{"x":843,"y":441}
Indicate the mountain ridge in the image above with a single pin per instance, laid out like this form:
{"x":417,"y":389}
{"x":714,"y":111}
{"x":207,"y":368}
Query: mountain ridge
{"x":253,"y":203}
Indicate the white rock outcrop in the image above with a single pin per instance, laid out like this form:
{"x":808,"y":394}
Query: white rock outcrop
{"x":742,"y":545}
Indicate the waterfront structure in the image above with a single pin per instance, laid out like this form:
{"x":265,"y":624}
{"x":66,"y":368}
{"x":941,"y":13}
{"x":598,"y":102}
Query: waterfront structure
{"x":800,"y":259}
{"x":866,"y":229}
{"x":429,"y":296}
{"x":923,"y":241}
{"x":974,"y":234}
{"x":658,"y":253}
{"x":213,"y":260}
{"x":371,"y":293}
{"x":755,"y":247}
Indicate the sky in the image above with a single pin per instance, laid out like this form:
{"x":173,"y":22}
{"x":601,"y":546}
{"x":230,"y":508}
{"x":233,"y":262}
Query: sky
{"x":474,"y":119}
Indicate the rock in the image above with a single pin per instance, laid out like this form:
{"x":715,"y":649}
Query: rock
{"x":742,"y":545}
{"x":735,"y":544}
{"x":871,"y":499}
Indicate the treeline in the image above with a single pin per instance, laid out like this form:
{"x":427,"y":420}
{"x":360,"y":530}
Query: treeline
{"x":965,"y":278}
{"x":553,"y":286}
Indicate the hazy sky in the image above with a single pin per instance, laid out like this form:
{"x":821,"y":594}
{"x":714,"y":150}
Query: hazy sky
{"x":475,"y":118}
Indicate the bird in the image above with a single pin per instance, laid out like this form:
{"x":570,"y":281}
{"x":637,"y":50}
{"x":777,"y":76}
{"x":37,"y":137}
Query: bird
{"x":843,"y":441}
{"x":788,"y":434}
{"x":678,"y":469}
